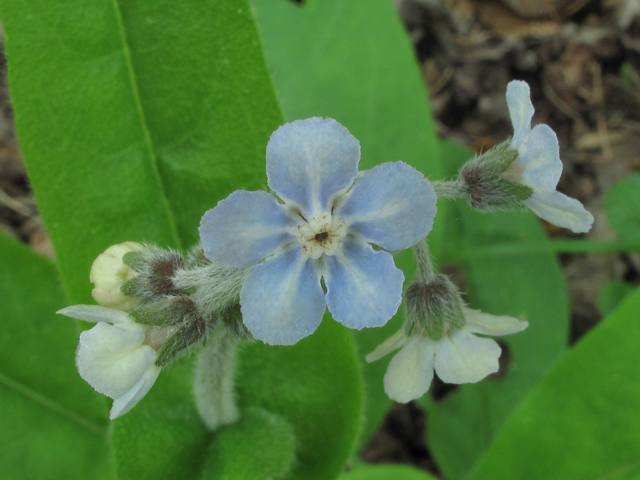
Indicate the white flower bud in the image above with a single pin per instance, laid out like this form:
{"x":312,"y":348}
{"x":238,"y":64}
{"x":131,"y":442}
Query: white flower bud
{"x":109,"y":273}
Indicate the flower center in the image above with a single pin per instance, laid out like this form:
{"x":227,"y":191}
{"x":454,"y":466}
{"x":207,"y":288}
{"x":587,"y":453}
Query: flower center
{"x":321,"y":235}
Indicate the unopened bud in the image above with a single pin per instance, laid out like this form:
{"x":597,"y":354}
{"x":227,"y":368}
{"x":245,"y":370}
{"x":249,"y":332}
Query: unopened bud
{"x":491,"y":182}
{"x":434,"y":306}
{"x":180,"y":316}
{"x":109,"y":273}
{"x":155,"y":268}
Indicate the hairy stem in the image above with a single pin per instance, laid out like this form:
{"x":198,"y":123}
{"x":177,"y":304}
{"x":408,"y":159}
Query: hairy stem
{"x":424,"y":265}
{"x":214,"y":380}
{"x":455,"y":189}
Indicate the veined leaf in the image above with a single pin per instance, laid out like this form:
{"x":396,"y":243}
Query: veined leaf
{"x":582,"y":421}
{"x":53,"y":424}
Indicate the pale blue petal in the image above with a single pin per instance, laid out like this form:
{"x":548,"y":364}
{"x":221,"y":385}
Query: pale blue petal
{"x":282,"y":300}
{"x":308,"y":161}
{"x":244,"y":228}
{"x":520,"y":110}
{"x":540,"y":158}
{"x":391,"y":205}
{"x":560,"y":210}
{"x":364,"y":287}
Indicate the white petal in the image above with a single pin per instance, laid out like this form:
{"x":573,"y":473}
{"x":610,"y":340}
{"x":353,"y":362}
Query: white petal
{"x":465,"y":358}
{"x":112,"y":358}
{"x":540,"y":158}
{"x":520,"y":110}
{"x":485,"y":324}
{"x":411,"y":370}
{"x":392,"y":343}
{"x":126,"y":402}
{"x":560,"y":210}
{"x":96,"y":314}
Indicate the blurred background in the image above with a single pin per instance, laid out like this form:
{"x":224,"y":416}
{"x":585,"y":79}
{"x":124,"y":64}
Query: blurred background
{"x":582,"y":61}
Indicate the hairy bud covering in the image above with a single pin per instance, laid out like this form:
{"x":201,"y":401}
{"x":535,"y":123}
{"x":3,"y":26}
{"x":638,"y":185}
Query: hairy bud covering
{"x":435,"y":306}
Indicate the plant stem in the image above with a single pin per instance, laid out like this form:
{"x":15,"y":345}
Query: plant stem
{"x":552,"y":246}
{"x":214,"y":380}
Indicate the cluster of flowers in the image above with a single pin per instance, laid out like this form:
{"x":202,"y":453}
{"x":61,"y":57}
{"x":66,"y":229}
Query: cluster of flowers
{"x":270,"y":264}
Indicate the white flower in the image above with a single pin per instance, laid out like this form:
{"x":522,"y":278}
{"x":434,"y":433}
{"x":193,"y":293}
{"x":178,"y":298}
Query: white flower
{"x":109,"y":273}
{"x":117,"y":356}
{"x":539,"y":166}
{"x":458,"y":357}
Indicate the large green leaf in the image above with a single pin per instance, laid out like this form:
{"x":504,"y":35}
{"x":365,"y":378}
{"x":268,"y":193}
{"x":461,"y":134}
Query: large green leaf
{"x":135,"y":117}
{"x":363,"y":471}
{"x":582,"y":421}
{"x":352,"y":60}
{"x":623,"y":207}
{"x":53,"y":424}
{"x":463,"y":425}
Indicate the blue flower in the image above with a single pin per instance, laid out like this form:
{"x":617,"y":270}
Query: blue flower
{"x":319,"y":236}
{"x":539,"y":166}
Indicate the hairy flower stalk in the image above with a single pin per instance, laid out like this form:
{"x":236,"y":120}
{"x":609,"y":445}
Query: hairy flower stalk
{"x":214,"y":379}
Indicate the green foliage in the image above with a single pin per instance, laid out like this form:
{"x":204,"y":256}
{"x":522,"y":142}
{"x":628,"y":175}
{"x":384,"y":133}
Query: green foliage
{"x":134,"y":118}
{"x":312,"y":385}
{"x":352,"y":60}
{"x":622,"y":206}
{"x":528,"y":285}
{"x":611,"y":295}
{"x":259,"y":447}
{"x":363,"y":471}
{"x":582,"y":421}
{"x":53,"y":424}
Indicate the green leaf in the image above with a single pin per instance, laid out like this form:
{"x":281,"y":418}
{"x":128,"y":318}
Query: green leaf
{"x":312,"y":385}
{"x":611,"y":295}
{"x":352,"y":60}
{"x":259,"y":447}
{"x":528,"y":285}
{"x":362,"y":471}
{"x":622,"y":205}
{"x":53,"y":424}
{"x":582,"y":421}
{"x":135,"y":117}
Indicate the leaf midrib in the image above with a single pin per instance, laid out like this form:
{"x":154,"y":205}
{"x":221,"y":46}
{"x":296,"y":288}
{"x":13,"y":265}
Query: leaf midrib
{"x":171,"y":220}
{"x":52,"y":406}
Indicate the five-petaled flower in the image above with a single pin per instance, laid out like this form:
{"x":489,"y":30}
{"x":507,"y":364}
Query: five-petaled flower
{"x":457,"y":357}
{"x":539,"y":166}
{"x":320,"y":235}
{"x":117,"y":357}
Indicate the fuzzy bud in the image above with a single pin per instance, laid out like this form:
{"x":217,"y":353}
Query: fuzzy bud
{"x":179,"y":315}
{"x":155,"y":269}
{"x":109,"y":273}
{"x":434,"y":306}
{"x":491,"y":181}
